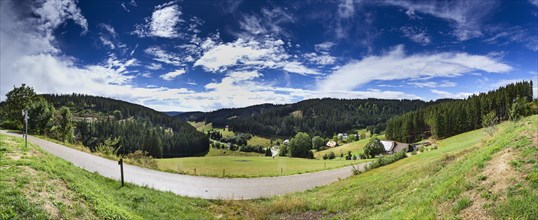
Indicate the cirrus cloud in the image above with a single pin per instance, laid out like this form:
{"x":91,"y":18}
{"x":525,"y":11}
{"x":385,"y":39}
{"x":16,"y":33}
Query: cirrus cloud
{"x":396,"y":65}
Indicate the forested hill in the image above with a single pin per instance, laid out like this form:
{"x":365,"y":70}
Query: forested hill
{"x":322,"y":117}
{"x":458,"y":116}
{"x":139,"y":127}
{"x":221,"y":117}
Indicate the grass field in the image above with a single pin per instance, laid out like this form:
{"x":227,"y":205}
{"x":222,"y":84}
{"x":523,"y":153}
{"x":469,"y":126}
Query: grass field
{"x":356,"y":147}
{"x":201,"y":126}
{"x":470,"y":176}
{"x":213,"y":152}
{"x":241,"y":166}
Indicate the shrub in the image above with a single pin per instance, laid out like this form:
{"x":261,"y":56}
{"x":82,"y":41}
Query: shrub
{"x":384,"y":160}
{"x":325,"y":157}
{"x":374,"y":147}
{"x":331,"y":155}
{"x":268,"y":152}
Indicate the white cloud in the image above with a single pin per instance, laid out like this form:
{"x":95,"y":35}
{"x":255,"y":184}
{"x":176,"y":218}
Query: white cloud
{"x":534,"y":2}
{"x":325,"y":46}
{"x":54,"y":12}
{"x":171,"y":75}
{"x":397,"y":65}
{"x":431,"y":84}
{"x":296,"y":67}
{"x":250,"y":54}
{"x":322,"y":59}
{"x":154,"y":66}
{"x":445,"y":94}
{"x":163,"y":23}
{"x":466,"y":17}
{"x":346,"y":8}
{"x":107,"y":42}
{"x":268,"y":22}
{"x":418,"y":36}
{"x":163,"y":56}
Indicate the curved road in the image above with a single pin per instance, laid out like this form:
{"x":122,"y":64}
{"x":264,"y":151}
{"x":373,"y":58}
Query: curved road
{"x":194,"y":186}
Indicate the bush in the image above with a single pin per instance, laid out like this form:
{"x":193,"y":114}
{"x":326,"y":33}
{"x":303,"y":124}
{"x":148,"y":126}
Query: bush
{"x":362,"y":156}
{"x":331,"y":155}
{"x":374,"y":147}
{"x":384,"y":160}
{"x":300,"y":145}
{"x":354,"y":157}
{"x":268,"y":152}
{"x":325,"y":157}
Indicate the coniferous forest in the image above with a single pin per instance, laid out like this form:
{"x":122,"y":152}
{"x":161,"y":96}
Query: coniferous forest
{"x":317,"y":117}
{"x":139,"y":127}
{"x":457,"y":116}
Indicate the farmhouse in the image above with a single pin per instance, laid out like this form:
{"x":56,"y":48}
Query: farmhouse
{"x":287,"y":141}
{"x":331,"y":143}
{"x":394,"y":147}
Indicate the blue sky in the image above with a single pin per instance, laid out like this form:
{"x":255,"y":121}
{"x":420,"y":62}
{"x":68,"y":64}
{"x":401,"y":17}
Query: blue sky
{"x":205,"y":55}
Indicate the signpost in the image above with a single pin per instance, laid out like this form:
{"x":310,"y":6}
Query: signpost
{"x":121,"y":169}
{"x":25,"y":115}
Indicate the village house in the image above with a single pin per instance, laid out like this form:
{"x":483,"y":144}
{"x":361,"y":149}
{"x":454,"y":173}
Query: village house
{"x":331,"y":143}
{"x":394,"y":147}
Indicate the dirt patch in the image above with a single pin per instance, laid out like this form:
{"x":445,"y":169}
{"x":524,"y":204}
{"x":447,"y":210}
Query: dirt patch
{"x":52,"y":194}
{"x":496,"y":177}
{"x":13,"y":156}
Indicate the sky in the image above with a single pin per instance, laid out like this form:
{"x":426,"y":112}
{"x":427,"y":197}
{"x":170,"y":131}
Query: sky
{"x":205,"y":55}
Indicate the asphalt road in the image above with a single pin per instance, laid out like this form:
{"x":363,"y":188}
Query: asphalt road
{"x":194,"y":186}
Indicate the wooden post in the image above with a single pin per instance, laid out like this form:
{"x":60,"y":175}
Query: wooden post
{"x":223,"y":172}
{"x":121,"y":169}
{"x":325,"y":165}
{"x":281,"y":170}
{"x":194,"y":171}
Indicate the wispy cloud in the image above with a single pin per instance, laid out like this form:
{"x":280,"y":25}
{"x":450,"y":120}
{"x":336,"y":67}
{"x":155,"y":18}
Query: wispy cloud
{"x":267,"y":22}
{"x":171,"y":75}
{"x":466,"y":17}
{"x":159,"y":54}
{"x":416,"y":35}
{"x":397,"y":65}
{"x":432,"y":84}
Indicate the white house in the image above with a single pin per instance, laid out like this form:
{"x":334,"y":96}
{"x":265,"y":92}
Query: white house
{"x":388,"y":145}
{"x":287,"y":141}
{"x":331,"y":143}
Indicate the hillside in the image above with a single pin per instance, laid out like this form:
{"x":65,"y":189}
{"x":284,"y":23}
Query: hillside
{"x":137,"y":126}
{"x":471,"y":175}
{"x":322,"y":117}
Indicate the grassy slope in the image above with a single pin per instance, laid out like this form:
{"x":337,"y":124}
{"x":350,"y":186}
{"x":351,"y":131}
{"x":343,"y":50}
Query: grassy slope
{"x":37,"y":185}
{"x":241,"y":166}
{"x":356,"y":147}
{"x":429,"y":185}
